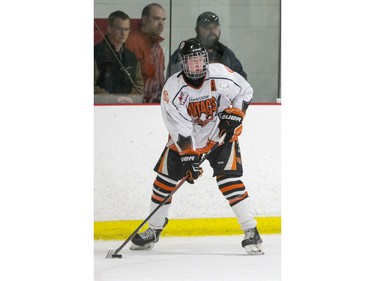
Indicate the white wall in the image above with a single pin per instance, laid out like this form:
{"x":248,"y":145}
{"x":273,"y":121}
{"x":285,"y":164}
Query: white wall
{"x":129,"y":141}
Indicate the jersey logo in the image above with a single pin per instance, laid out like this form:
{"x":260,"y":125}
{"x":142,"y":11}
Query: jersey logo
{"x":203,"y":111}
{"x":183,"y":97}
{"x":224,"y":85}
{"x":166,"y":96}
{"x":203,"y":120}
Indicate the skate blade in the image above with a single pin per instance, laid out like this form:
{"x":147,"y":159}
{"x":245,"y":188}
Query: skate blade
{"x":148,"y":246}
{"x":254,"y":250}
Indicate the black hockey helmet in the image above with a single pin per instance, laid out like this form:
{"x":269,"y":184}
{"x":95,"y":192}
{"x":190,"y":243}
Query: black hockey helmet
{"x":193,"y":51}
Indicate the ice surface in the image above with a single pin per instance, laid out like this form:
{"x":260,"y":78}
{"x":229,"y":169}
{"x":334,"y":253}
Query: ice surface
{"x":190,"y":259}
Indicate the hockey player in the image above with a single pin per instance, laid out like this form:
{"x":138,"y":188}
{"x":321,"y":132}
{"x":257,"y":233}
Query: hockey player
{"x":200,"y":104}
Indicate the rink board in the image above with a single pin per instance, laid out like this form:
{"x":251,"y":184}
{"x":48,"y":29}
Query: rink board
{"x":112,"y":230}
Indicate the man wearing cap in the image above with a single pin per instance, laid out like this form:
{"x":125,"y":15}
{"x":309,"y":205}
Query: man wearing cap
{"x":208,"y":32}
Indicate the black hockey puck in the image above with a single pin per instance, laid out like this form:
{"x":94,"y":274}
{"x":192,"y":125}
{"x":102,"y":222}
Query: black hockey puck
{"x":117,"y":256}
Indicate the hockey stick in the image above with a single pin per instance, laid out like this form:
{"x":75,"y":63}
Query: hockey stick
{"x":114,"y":253}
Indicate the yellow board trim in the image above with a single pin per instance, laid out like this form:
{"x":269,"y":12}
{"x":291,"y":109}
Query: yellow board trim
{"x":120,"y":230}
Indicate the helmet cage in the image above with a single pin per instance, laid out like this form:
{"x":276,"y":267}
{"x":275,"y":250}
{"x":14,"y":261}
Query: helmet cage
{"x":189,"y":60}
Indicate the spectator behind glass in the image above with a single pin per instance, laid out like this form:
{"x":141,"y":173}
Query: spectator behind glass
{"x":118,"y":69}
{"x":208,"y":32}
{"x":101,"y":96}
{"x":145,"y":43}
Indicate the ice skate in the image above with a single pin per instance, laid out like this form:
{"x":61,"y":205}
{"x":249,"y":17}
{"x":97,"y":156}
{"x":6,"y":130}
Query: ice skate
{"x":252,"y":242}
{"x":146,"y":240}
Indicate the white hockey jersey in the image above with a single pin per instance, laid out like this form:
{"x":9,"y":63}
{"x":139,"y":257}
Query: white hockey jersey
{"x":191,"y":114}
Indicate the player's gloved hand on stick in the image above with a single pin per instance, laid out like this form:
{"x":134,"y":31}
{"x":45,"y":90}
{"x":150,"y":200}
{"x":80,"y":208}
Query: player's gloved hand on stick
{"x":190,"y":166}
{"x":231,"y":123}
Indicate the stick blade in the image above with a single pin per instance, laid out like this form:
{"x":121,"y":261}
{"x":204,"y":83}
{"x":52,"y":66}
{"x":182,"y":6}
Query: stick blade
{"x":112,"y":255}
